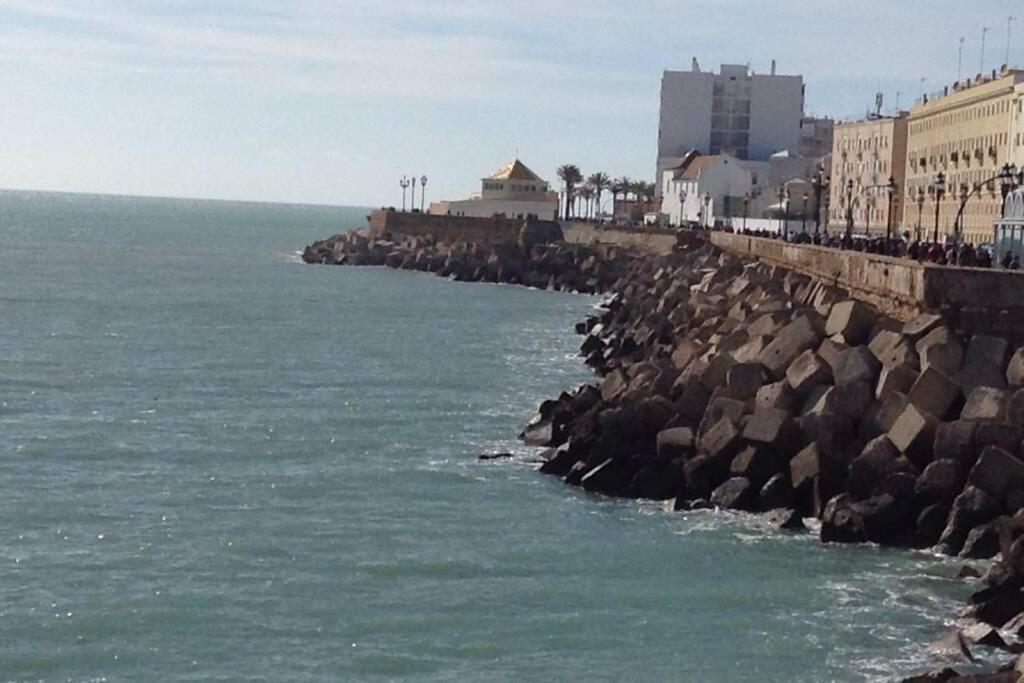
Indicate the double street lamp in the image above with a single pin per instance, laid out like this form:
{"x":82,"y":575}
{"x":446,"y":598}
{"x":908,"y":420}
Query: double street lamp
{"x":939,"y":187}
{"x":849,"y":209}
{"x":921,"y":194}
{"x":1008,"y":178}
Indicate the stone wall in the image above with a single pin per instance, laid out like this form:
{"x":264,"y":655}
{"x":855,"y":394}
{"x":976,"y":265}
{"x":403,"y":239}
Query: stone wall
{"x":975,"y":300}
{"x":444,"y":228}
{"x":659,"y":242}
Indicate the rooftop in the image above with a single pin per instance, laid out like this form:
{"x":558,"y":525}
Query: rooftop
{"x":514,"y":170}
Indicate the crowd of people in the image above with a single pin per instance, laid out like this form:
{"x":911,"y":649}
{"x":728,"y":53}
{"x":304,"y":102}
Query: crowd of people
{"x":962,"y":254}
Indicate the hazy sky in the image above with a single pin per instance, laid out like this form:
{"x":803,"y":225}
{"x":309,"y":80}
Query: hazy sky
{"x":330,"y":102}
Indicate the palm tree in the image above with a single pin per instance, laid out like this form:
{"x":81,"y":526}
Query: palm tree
{"x":570,"y":175}
{"x":587,"y":193}
{"x":600,"y":182}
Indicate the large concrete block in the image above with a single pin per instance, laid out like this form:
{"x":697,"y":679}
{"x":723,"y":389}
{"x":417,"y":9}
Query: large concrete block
{"x":955,"y":441}
{"x":1016,"y":408}
{"x":890,"y":410}
{"x":685,"y":352}
{"x":986,"y":349}
{"x":751,"y":349}
{"x":779,"y":396}
{"x":934,"y":392}
{"x":675,"y":443}
{"x":832,"y":352}
{"x":997,"y":472}
{"x":858,"y":364}
{"x":941,"y":349}
{"x":792,"y":340}
{"x":852,"y":320}
{"x":898,"y":379}
{"x":745,"y":379}
{"x":986,"y":404}
{"x":867,"y":471}
{"x":922,"y":325}
{"x":692,"y":399}
{"x":808,"y":371}
{"x":771,"y":427}
{"x":757,"y":465}
{"x":914,"y":435}
{"x":1015,"y":371}
{"x":851,"y":400}
{"x":715,"y":374}
{"x":767,"y":324}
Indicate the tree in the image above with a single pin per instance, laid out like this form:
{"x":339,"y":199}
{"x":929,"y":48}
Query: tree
{"x":623,"y":186}
{"x":570,"y":175}
{"x":600,"y":182}
{"x":587,"y":193}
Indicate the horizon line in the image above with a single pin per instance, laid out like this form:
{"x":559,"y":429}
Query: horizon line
{"x":126,"y":195}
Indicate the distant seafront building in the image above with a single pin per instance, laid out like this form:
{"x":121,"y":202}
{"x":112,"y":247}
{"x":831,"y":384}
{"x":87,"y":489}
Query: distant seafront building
{"x":712,"y":188}
{"x":966,"y":133}
{"x":737,"y":112}
{"x":513,"y":191}
{"x":869,"y":152}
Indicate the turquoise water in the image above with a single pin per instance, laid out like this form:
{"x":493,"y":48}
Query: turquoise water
{"x":222,"y":465}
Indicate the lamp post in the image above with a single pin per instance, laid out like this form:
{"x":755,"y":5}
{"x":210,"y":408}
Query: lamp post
{"x":819,"y":182}
{"x":404,"y":184}
{"x":746,"y":209}
{"x":1005,"y":178}
{"x":868,"y":203}
{"x":920,"y":209}
{"x":412,"y":203}
{"x":708,"y":221}
{"x":958,"y":228}
{"x":889,"y":224}
{"x":939,"y":185}
{"x":423,"y":191}
{"x":784,"y":197}
{"x":849,"y":209}
{"x":803,"y":216}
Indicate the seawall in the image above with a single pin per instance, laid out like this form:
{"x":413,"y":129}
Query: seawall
{"x":974,"y":300}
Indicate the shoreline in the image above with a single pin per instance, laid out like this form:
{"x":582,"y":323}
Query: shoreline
{"x":728,"y":383}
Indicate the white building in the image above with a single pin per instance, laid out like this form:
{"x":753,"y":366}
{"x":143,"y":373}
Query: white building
{"x":710,"y":189}
{"x":513,"y":191}
{"x":737,"y":112}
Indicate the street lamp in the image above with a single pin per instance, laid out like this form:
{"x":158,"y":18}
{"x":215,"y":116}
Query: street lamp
{"x":958,"y":228}
{"x":869,"y":202}
{"x":849,"y":209}
{"x":920,"y":209}
{"x":412,"y":203}
{"x":423,"y":191}
{"x":707,"y":210}
{"x":819,"y":186}
{"x":939,"y":185}
{"x":404,"y":184}
{"x":889,"y":224}
{"x":746,"y":209}
{"x":803,"y":216}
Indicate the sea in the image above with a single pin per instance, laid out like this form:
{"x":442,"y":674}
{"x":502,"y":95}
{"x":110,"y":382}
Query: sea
{"x":221,"y":464}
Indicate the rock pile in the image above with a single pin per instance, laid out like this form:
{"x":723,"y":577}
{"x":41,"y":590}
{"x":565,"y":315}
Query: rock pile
{"x":747,"y":386}
{"x":538,"y":258}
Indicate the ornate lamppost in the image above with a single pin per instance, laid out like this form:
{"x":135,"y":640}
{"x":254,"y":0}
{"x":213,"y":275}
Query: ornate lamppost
{"x":849,"y":209}
{"x":920,"y":210}
{"x":803,"y":216}
{"x":891,"y":188}
{"x":1009,"y":179}
{"x":939,"y":185}
{"x":404,"y":184}
{"x":423,"y":191}
{"x":746,"y":209}
{"x":412,"y":204}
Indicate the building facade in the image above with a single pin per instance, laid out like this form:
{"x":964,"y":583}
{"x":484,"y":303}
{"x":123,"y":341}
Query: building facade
{"x":868,"y":152}
{"x":737,"y":112}
{"x":513,"y":191}
{"x":719,"y":189}
{"x":1017,"y":127}
{"x":964,"y":133}
{"x":816,"y":137}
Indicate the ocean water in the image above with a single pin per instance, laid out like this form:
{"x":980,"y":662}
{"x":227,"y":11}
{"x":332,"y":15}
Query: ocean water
{"x":219,"y":464}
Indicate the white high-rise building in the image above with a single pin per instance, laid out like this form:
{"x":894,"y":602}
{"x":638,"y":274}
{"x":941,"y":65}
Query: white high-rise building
{"x":737,"y":112}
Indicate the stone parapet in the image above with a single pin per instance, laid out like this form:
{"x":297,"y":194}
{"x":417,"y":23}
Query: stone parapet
{"x":975,"y":300}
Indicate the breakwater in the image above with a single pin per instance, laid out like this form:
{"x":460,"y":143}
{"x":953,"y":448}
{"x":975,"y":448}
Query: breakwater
{"x":740,"y":384}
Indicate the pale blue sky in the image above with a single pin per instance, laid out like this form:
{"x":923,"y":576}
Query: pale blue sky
{"x":330,"y":102}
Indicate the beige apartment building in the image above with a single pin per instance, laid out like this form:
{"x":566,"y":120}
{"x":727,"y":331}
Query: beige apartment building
{"x":966,"y":134}
{"x":869,"y":153}
{"x":1017,"y":127}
